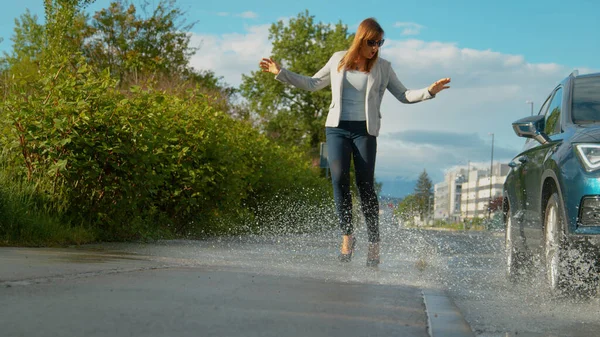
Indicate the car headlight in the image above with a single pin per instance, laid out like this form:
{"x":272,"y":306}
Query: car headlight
{"x":589,"y":154}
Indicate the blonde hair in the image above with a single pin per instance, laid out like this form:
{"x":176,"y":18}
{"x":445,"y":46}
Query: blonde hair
{"x":369,"y":29}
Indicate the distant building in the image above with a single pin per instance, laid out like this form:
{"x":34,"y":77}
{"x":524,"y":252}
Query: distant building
{"x":447,"y":196}
{"x":476,"y":190}
{"x":466,"y":194}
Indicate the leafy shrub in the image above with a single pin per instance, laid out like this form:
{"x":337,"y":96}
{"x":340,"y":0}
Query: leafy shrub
{"x":145,"y":163}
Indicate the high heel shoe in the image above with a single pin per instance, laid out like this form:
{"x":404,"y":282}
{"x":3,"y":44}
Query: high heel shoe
{"x":373,"y":262}
{"x":348,"y":257}
{"x":373,"y":255}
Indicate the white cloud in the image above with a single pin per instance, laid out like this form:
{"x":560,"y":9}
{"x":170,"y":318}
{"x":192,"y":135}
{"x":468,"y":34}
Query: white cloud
{"x":248,"y":15}
{"x":245,"y":15}
{"x":488,"y":92}
{"x":409,"y":28}
{"x":231,"y":55}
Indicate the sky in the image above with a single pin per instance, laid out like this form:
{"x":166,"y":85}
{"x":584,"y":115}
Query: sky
{"x":499,"y":55}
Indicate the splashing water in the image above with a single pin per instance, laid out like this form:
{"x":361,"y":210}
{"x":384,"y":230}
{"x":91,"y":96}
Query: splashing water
{"x":302,"y":241}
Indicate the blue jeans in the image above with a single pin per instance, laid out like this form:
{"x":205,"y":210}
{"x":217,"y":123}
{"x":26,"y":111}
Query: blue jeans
{"x":351,"y":140}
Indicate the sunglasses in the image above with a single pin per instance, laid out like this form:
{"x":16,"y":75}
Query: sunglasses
{"x":373,"y":43}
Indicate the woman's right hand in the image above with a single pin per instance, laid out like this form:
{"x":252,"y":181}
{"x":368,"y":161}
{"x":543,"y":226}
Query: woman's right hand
{"x":269,"y":65}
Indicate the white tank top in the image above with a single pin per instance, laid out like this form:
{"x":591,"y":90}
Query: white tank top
{"x":353,"y":96}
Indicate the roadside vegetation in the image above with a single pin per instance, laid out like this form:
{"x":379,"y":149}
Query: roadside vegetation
{"x":476,"y":224}
{"x":107,"y":133}
{"x":416,"y":211}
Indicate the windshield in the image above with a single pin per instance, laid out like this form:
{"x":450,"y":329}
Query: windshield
{"x":586,"y":100}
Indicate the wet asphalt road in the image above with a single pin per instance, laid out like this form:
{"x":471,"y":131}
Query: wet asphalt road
{"x":209,"y":302}
{"x":268,"y":286}
{"x":247,"y":286}
{"x":470,"y":266}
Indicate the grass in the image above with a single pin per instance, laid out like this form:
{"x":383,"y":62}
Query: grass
{"x":460,"y":226}
{"x":457,"y":226}
{"x":28,"y":217}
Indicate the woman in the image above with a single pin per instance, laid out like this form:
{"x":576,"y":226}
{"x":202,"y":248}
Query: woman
{"x":358,"y":79}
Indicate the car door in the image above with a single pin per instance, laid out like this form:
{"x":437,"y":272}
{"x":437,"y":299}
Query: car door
{"x":532,"y":169}
{"x":516,"y":182}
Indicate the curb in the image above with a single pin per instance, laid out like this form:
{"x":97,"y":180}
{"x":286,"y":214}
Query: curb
{"x":443,"y":317}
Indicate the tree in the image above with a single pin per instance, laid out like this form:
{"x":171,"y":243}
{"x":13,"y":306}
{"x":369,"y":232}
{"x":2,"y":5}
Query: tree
{"x":28,"y":39}
{"x":28,"y":42}
{"x":223,"y":97}
{"x":286,"y":113}
{"x":65,"y":23}
{"x":133,"y":45}
{"x":31,"y":40}
{"x":148,"y":47}
{"x":423,"y":194}
{"x":407,"y":209}
{"x":152,"y":46}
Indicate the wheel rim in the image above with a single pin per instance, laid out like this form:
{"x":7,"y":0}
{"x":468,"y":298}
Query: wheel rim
{"x":552,"y":260}
{"x":509,"y":246}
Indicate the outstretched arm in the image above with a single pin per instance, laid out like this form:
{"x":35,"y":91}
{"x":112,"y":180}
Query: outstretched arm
{"x":417,"y":95}
{"x":439,"y":85}
{"x":318,"y":81}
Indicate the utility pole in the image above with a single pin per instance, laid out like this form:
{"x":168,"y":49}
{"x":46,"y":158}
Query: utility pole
{"x":467,"y":190}
{"x":530,"y":102}
{"x":491,"y":175}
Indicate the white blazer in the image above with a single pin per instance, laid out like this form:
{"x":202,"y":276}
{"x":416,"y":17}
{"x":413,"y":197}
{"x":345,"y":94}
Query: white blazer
{"x":381,"y":77}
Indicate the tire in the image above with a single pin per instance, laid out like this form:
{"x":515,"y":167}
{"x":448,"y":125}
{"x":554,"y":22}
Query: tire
{"x":515,"y":259}
{"x":569,"y":267}
{"x":554,"y":245}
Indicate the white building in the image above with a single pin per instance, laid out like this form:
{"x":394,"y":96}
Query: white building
{"x":466,"y":194}
{"x":447,"y":196}
{"x":476,"y":190}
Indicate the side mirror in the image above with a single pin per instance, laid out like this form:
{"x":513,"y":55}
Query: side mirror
{"x":531,"y":127}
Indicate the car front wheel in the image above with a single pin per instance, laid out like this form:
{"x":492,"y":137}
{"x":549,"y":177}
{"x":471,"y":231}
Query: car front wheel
{"x":570,"y":268}
{"x":515,"y":259}
{"x":554,"y":243}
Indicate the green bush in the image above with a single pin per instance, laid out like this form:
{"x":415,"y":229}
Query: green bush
{"x":145,"y":163}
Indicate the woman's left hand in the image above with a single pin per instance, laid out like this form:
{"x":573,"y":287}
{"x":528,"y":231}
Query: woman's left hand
{"x":269,"y":65}
{"x":439,"y":85}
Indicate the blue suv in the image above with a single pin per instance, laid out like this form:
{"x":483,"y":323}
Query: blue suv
{"x":552,"y":192}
